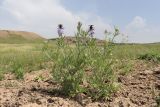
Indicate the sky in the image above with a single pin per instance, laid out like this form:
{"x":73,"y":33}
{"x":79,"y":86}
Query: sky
{"x":138,"y":20}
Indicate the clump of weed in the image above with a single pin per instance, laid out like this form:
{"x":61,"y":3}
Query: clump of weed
{"x":17,"y":68}
{"x":84,"y":67}
{"x":154,"y":57}
{"x":39,"y":78}
{"x":1,"y":75}
{"x":124,"y":66}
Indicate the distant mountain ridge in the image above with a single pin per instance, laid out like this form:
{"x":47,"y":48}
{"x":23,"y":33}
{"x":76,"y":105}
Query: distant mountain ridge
{"x":19,"y":36}
{"x":71,"y":39}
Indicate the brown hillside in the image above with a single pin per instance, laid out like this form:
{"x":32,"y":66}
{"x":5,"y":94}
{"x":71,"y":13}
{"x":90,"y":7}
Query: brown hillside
{"x":5,"y":34}
{"x":72,"y":40}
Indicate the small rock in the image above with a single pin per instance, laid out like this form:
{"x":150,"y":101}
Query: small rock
{"x":33,"y":89}
{"x":121,"y":104}
{"x":20,"y":93}
{"x":125,"y":94}
{"x":157,"y":85}
{"x":121,"y":79}
{"x":157,"y":71}
{"x":38,"y":101}
{"x":134,"y":83}
{"x":143,"y":73}
{"x":50,"y":100}
{"x":80,"y":97}
{"x":148,"y":72}
{"x":142,"y":87}
{"x":142,"y":77}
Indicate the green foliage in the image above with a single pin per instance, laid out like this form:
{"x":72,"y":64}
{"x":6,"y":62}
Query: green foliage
{"x":124,"y":67}
{"x":84,"y":68}
{"x":18,"y":69}
{"x":21,"y":58}
{"x":39,"y":78}
{"x":1,"y":75}
{"x":150,"y":57}
{"x":132,"y":51}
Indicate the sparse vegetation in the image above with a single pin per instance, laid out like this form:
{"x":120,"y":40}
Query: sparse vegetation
{"x":85,"y":68}
{"x":39,"y":78}
{"x":79,"y":67}
{"x":21,"y":58}
{"x":155,"y":57}
{"x":124,"y":67}
{"x":1,"y":75}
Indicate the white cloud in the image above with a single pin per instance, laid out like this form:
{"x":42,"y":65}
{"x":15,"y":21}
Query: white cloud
{"x":140,"y":31}
{"x":137,"y":23}
{"x":43,"y":16}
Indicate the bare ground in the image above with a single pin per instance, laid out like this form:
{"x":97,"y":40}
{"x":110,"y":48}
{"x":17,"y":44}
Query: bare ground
{"x":138,"y":89}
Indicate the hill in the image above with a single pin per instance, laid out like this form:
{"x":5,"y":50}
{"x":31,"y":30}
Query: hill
{"x":7,"y":36}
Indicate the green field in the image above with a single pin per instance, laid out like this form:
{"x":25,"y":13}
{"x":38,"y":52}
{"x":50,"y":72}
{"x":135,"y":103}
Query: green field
{"x":70,"y":66}
{"x":21,"y":56}
{"x":30,"y":56}
{"x":132,"y":51}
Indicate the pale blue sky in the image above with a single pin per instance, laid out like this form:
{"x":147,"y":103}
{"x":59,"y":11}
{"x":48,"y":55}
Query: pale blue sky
{"x":121,"y":12}
{"x":138,"y":19}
